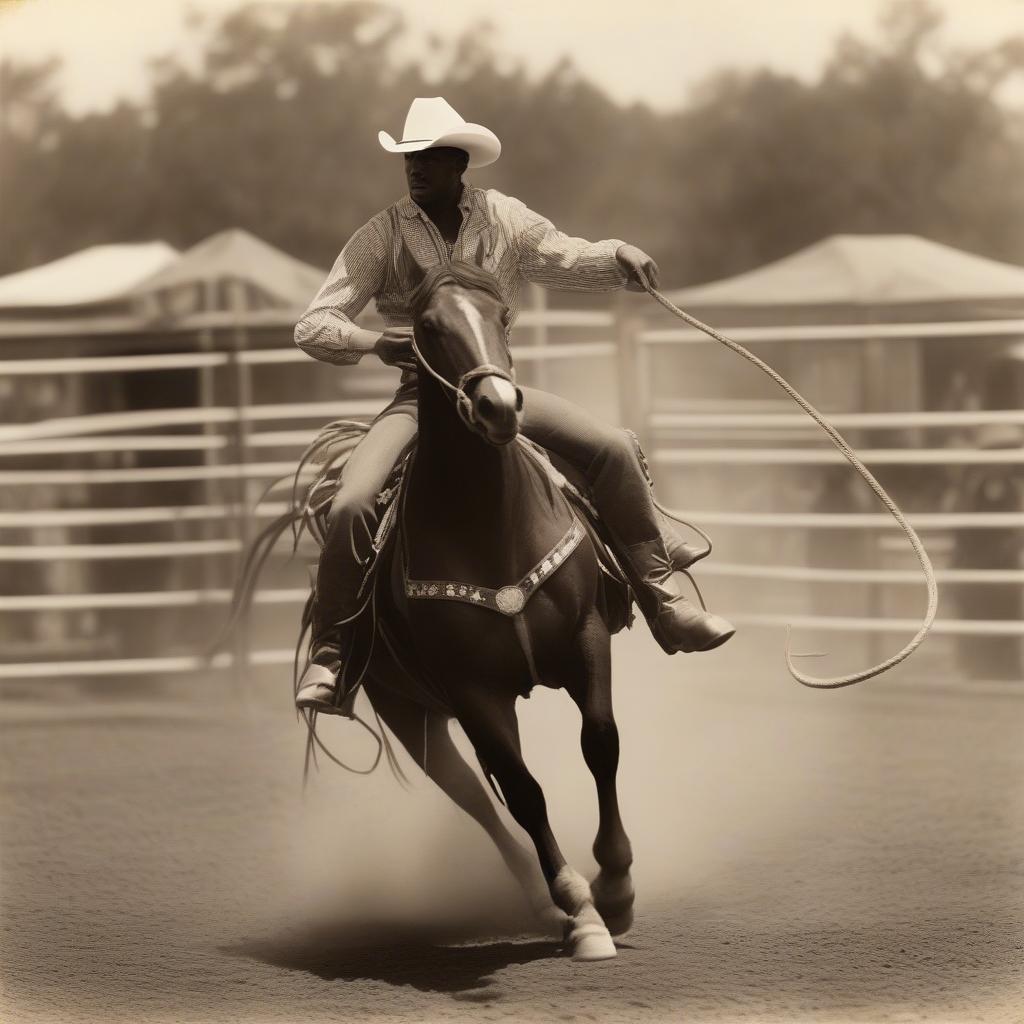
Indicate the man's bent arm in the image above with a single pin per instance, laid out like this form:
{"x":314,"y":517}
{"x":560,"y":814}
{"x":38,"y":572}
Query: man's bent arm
{"x":554,"y":259}
{"x":326,"y":330}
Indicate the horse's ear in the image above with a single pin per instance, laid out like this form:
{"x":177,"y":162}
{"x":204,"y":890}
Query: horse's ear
{"x":410,"y":273}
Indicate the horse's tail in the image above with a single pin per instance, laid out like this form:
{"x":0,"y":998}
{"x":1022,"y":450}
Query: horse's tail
{"x":248,"y":578}
{"x":306,"y":512}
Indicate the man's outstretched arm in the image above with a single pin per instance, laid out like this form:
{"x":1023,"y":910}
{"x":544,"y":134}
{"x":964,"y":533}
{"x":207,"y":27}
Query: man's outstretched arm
{"x":554,"y":259}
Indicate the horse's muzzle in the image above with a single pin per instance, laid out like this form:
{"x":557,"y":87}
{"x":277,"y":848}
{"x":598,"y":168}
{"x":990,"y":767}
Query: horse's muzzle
{"x":497,"y":408}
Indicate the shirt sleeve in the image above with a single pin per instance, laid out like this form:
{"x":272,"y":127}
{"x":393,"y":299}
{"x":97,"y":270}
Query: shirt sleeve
{"x":554,"y":259}
{"x":326,"y":329}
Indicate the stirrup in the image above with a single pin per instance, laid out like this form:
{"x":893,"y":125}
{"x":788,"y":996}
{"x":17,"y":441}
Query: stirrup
{"x":318,"y":688}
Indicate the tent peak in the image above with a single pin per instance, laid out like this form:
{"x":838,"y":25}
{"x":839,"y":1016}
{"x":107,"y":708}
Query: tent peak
{"x":235,"y":254}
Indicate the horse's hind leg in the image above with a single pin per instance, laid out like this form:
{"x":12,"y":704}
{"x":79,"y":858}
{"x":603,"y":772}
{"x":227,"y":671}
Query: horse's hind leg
{"x":592,"y":691}
{"x":492,"y":728}
{"x":430,"y":745}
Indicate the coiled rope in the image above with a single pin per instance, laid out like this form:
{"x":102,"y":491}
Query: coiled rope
{"x":848,"y":453}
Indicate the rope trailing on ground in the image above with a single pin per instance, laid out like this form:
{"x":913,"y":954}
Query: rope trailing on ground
{"x":837,"y":439}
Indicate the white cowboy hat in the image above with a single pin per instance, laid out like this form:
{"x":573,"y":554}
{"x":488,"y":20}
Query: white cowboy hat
{"x":433,"y":122}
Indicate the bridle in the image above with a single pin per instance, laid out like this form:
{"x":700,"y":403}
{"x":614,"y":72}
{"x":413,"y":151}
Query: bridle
{"x":463,"y":403}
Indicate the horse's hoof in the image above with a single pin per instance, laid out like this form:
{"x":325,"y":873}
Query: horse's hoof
{"x":614,"y":902}
{"x":591,"y":942}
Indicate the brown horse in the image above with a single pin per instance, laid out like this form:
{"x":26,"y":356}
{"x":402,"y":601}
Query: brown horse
{"x":490,"y":587}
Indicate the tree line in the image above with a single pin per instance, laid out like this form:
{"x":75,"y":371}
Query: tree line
{"x":275,"y":131}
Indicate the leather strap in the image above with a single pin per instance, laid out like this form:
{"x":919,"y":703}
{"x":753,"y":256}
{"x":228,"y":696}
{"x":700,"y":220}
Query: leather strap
{"x":509,"y":600}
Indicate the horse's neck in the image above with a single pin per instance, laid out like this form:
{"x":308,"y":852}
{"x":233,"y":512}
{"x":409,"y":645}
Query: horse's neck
{"x":457,"y":467}
{"x":470,"y":505}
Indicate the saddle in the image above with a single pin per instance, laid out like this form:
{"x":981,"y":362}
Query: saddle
{"x":615,"y":593}
{"x":373,"y":635}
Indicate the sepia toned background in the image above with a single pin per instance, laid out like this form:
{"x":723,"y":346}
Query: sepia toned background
{"x":839,"y":186}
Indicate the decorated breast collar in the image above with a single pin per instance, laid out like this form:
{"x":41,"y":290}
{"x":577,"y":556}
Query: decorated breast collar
{"x":509,"y":600}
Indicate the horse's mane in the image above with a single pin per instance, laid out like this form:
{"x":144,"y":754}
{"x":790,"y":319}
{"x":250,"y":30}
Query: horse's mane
{"x":468,"y":275}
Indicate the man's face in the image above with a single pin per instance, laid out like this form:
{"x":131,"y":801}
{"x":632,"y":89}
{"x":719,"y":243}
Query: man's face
{"x":434,"y":174}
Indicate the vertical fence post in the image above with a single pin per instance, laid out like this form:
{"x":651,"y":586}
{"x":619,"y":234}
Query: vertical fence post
{"x":633,"y":370}
{"x":211,"y":571}
{"x":539,"y":304}
{"x":242,"y":380}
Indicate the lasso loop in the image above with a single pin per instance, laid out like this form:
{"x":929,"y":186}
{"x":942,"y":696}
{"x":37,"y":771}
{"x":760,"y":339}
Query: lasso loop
{"x":851,"y":457}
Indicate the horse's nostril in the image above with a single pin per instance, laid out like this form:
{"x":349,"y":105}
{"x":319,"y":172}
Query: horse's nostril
{"x":519,"y":399}
{"x":485,"y":407}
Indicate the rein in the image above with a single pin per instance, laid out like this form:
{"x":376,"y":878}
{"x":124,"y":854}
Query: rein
{"x":848,"y":453}
{"x":467,"y":276}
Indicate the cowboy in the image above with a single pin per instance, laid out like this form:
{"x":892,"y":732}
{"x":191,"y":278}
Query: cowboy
{"x":442,"y":219}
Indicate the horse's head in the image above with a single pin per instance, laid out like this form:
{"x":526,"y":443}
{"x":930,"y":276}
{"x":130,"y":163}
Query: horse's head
{"x":461,"y":339}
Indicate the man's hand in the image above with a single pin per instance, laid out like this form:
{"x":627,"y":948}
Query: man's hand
{"x":638,"y":267}
{"x":394,"y":347}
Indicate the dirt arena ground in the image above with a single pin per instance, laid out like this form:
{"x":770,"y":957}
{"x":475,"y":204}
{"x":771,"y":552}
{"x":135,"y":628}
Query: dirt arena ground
{"x":847,"y":856}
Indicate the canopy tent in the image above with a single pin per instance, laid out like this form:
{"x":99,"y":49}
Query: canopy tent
{"x":229,"y":268}
{"x":132,"y":287}
{"x":823,"y":308}
{"x":102,"y":275}
{"x":852,"y":278}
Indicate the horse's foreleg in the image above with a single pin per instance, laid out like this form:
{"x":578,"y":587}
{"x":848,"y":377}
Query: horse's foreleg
{"x":430,"y":744}
{"x":494,"y":732}
{"x":599,"y":738}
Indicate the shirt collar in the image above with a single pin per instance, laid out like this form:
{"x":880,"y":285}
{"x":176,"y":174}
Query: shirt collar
{"x":408,"y":209}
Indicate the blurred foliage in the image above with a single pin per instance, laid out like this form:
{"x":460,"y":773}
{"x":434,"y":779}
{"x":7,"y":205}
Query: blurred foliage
{"x":275,"y":131}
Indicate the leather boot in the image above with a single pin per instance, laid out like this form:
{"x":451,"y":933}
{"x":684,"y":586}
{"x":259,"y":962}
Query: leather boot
{"x":676,"y":623}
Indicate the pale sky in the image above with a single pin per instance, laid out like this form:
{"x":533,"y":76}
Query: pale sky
{"x":651,"y":50}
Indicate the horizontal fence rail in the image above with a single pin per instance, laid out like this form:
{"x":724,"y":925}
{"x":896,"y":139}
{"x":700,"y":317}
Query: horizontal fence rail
{"x":258,"y":357}
{"x":801,"y":573}
{"x":100,"y":423}
{"x":851,"y":520}
{"x":137,"y":666}
{"x":841,"y":420}
{"x":108,"y":552}
{"x":147,"y":474}
{"x":71,"y":442}
{"x":851,"y":624}
{"x":830,"y":456}
{"x":706,"y":517}
{"x":837,"y":332}
{"x":124,"y":516}
{"x":257,"y":319}
{"x":156,"y":443}
{"x":755,"y":520}
{"x":134,"y":515}
{"x":143,"y":599}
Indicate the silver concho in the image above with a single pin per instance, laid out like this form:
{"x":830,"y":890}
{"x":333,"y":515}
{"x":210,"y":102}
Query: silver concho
{"x":510,"y":600}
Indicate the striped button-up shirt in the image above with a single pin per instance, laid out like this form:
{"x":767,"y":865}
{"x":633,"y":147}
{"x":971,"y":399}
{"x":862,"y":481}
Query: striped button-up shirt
{"x":519,"y":245}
